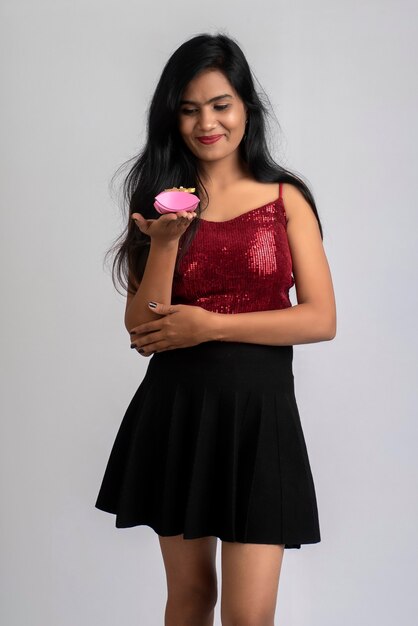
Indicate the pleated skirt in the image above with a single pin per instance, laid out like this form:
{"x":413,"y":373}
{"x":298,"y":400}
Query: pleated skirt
{"x":212,"y":444}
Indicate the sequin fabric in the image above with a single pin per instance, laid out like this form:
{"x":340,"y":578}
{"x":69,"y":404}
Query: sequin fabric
{"x":238,"y":265}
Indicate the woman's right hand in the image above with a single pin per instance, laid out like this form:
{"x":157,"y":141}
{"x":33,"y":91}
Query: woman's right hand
{"x":167,"y":228}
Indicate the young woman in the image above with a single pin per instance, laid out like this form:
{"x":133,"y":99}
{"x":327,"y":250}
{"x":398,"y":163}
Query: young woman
{"x":211,"y":445}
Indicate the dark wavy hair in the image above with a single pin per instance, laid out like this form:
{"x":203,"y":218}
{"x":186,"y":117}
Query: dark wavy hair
{"x":166,"y":161}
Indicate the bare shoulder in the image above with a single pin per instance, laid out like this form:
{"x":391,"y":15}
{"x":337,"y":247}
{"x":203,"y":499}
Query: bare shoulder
{"x":302,"y":226}
{"x":295,"y":204}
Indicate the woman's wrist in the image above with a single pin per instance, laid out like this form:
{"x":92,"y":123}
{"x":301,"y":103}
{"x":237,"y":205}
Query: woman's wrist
{"x":158,"y":244}
{"x":215,"y":326}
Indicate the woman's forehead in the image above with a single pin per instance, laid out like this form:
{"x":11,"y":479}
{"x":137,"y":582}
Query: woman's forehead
{"x":208,"y":84}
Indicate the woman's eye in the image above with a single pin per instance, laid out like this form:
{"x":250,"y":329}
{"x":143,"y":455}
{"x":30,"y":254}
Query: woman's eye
{"x":219,"y":107}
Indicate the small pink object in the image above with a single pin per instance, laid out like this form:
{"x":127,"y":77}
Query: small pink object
{"x":173,"y":201}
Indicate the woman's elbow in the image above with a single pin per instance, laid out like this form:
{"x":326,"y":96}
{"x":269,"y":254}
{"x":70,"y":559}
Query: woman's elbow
{"x":133,"y":319}
{"x":326,"y":325}
{"x":330,"y":329}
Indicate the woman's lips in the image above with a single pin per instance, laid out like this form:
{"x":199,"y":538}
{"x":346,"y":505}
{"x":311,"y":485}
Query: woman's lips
{"x":211,"y":139}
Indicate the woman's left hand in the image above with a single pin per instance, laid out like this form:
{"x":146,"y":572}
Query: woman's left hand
{"x":181,"y":326}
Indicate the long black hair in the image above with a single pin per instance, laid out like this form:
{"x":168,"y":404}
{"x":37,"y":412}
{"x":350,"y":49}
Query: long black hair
{"x":166,"y":161}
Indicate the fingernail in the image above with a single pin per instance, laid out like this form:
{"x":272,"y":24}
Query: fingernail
{"x":152,"y":304}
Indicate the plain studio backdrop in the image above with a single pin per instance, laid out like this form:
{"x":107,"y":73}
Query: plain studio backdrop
{"x":76,"y":80}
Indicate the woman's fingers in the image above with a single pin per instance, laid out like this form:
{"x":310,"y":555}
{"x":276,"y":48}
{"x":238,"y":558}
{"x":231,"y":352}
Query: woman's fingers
{"x":146,"y":347}
{"x":160,"y":227}
{"x":166,"y":217}
{"x":145,"y":351}
{"x":189,"y":214}
{"x":141,"y":222}
{"x":138,"y":217}
{"x":142,"y":353}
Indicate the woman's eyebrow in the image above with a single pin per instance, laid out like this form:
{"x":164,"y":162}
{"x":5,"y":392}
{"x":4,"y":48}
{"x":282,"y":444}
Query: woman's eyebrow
{"x":225,"y":95}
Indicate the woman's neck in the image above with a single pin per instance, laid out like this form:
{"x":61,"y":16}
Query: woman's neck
{"x":220,"y":175}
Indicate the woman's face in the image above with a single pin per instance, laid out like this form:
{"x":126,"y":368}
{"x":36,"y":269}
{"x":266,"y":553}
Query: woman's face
{"x":210,"y":106}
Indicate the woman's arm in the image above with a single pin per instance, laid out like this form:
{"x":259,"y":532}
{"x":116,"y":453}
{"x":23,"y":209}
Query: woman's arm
{"x":157,"y":280}
{"x":302,"y":323}
{"x":314,"y":317}
{"x":156,"y":283}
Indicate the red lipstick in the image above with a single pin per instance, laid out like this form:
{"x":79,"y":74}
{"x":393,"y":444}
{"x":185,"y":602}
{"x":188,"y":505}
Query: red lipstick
{"x":209,"y":139}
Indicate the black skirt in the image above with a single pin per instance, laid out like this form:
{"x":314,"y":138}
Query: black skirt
{"x":212,"y":444}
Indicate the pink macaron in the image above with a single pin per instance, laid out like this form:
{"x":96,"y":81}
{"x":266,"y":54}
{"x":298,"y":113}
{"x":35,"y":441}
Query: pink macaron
{"x":173,"y":201}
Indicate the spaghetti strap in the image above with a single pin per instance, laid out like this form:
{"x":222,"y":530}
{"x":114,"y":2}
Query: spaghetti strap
{"x":282,"y":203}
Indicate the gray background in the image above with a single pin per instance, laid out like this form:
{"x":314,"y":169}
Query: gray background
{"x":76,"y":79}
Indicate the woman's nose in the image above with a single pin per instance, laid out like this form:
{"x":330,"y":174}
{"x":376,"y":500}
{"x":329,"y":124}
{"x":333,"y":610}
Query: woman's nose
{"x":207,"y":120}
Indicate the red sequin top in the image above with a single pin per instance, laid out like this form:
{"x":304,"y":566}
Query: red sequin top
{"x":238,"y":265}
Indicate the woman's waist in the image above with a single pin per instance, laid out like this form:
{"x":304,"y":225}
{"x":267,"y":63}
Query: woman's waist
{"x":221,"y":361}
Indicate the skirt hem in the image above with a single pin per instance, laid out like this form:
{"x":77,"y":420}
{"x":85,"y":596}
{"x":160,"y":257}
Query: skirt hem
{"x":288,"y":544}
